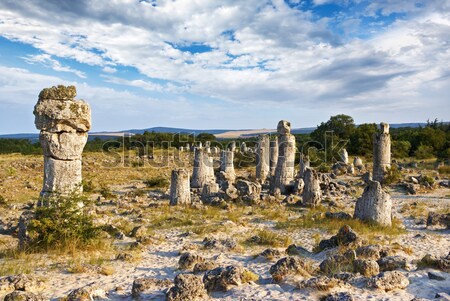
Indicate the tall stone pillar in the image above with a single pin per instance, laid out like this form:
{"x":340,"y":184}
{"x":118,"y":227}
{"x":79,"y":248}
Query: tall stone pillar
{"x":263,"y":158}
{"x":381,"y":152}
{"x":203,"y":169}
{"x":180,"y":193}
{"x":273,"y":156}
{"x":227,"y":165}
{"x":63,"y":123}
{"x":284,"y":172}
{"x":344,"y":155}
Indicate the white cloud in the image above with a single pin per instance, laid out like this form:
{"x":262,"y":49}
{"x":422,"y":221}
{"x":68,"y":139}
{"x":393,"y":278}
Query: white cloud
{"x":48,"y":61}
{"x":277,"y":54}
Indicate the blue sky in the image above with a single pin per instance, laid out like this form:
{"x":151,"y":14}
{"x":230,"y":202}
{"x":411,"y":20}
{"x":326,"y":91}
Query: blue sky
{"x":209,"y":64}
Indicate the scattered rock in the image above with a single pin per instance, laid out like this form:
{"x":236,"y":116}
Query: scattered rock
{"x":20,"y":282}
{"x":271,"y":254}
{"x":321,"y":283}
{"x":220,"y":244}
{"x":366,"y":268}
{"x":373,"y":252}
{"x":389,"y":281}
{"x":297,"y":250}
{"x":344,"y":237}
{"x":86,"y":293}
{"x":141,"y":285}
{"x":221,"y":279}
{"x":390,"y":263}
{"x":23,"y":296}
{"x":435,"y":276}
{"x":188,"y":260}
{"x":436,"y":219}
{"x":249,"y":191}
{"x":338,"y":215}
{"x":204,"y":266}
{"x":341,"y":296}
{"x":187,"y":287}
{"x":288,"y":266}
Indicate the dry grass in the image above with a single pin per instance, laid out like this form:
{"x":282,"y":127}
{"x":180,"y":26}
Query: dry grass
{"x":269,"y":238}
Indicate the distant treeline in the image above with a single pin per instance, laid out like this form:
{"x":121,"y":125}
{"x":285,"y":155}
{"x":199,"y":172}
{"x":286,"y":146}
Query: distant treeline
{"x":431,"y":140}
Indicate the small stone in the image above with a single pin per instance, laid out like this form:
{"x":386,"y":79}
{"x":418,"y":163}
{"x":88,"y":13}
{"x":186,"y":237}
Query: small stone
{"x":389,"y":281}
{"x":341,"y":296}
{"x":86,"y":293}
{"x":288,"y":266}
{"x":390,"y":263}
{"x":435,"y":276}
{"x":366,"y":268}
{"x":321,"y":283}
{"x":141,"y":285}
{"x":222,"y":279}
{"x":188,"y":260}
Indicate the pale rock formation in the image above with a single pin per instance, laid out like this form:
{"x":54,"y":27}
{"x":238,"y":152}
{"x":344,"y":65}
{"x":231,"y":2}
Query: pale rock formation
{"x":344,"y":155}
{"x":311,"y":191}
{"x":63,"y":123}
{"x":304,"y":163}
{"x":262,"y":158}
{"x":374,"y":205}
{"x":358,"y":163}
{"x":284,"y":172}
{"x":273,"y":156}
{"x":243,"y":147}
{"x":203,"y":169}
{"x":227,"y":165}
{"x":180,"y":193}
{"x":381,"y":152}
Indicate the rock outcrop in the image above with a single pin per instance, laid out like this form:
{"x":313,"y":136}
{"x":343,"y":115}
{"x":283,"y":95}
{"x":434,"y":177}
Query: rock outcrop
{"x":374,"y":205}
{"x":180,"y":193}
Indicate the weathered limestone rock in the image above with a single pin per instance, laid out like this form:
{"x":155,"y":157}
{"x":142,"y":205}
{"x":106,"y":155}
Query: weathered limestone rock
{"x":187,"y":287}
{"x":210,"y":192}
{"x":311,"y":192}
{"x":188,"y":260}
{"x":374,"y":205}
{"x":203,"y":169}
{"x":249,"y":191}
{"x":344,"y":155}
{"x":87,"y":293}
{"x":358,"y":163}
{"x":223,"y":279}
{"x":284,"y":172}
{"x":23,"y":296}
{"x":243,"y":147}
{"x":141,"y":285}
{"x":227,"y":165}
{"x":304,"y":163}
{"x":366,"y":267}
{"x":180,"y":193}
{"x":273,"y":156}
{"x":63,"y":123}
{"x":389,"y":281}
{"x":263,"y":158}
{"x":288,"y":266}
{"x":232,"y":146}
{"x":381,"y":152}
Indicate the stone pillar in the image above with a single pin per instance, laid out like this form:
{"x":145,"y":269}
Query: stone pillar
{"x":232,"y":146}
{"x":180,"y":193}
{"x":304,"y":163}
{"x":262,"y":158}
{"x":358,"y":163}
{"x":311,"y":195}
{"x":284,"y":172}
{"x":243,"y":147}
{"x":374,"y":205}
{"x":203,"y":169}
{"x":273,"y":156}
{"x":63,"y":123}
{"x":344,"y":155}
{"x":381,"y":152}
{"x":227,"y":165}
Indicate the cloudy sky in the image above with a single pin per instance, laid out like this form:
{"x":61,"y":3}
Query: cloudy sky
{"x":231,"y":64}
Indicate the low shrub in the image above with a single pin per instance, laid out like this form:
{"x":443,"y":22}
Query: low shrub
{"x":157,"y":182}
{"x":392,"y":175}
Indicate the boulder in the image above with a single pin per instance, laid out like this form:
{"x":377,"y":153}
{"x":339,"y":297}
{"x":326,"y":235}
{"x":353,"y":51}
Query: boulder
{"x":390,"y":263}
{"x":140,"y":285}
{"x":223,"y":278}
{"x":341,"y":296}
{"x":345,"y":236}
{"x":437,"y":219}
{"x":23,"y":296}
{"x":86,"y":293}
{"x":288,"y":266}
{"x":366,"y":268}
{"x":388,"y":281}
{"x":187,"y":287}
{"x":188,"y":260}
{"x":249,"y":191}
{"x":321,"y":283}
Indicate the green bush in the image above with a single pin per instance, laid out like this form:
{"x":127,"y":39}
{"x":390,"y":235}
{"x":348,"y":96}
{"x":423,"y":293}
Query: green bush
{"x":427,"y":180}
{"x":157,"y":182}
{"x":106,"y":192}
{"x":393,"y":175}
{"x":88,"y":185}
{"x":62,"y":223}
{"x":424,"y":152}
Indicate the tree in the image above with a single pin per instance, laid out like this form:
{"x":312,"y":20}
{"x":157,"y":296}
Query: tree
{"x":361,"y":140}
{"x":400,"y":149}
{"x":341,"y":125}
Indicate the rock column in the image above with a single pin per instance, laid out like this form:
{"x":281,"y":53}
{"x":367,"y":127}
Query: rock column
{"x":262,"y":158}
{"x":381,"y":152}
{"x":311,"y":192}
{"x":180,"y":193}
{"x":284,"y":172}
{"x":273,"y":156}
{"x":203,"y":169}
{"x":304,"y":163}
{"x":344,"y":156}
{"x":63,"y":123}
{"x":374,"y":205}
{"x":227,"y":165}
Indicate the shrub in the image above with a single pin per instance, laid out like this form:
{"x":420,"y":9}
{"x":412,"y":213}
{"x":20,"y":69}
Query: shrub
{"x":62,"y":223}
{"x":424,"y":152}
{"x":427,"y":180}
{"x":269,"y":238}
{"x":157,"y":182}
{"x":106,"y":192}
{"x":2,"y":200}
{"x":444,"y":169}
{"x":88,"y":185}
{"x":393,"y":175}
